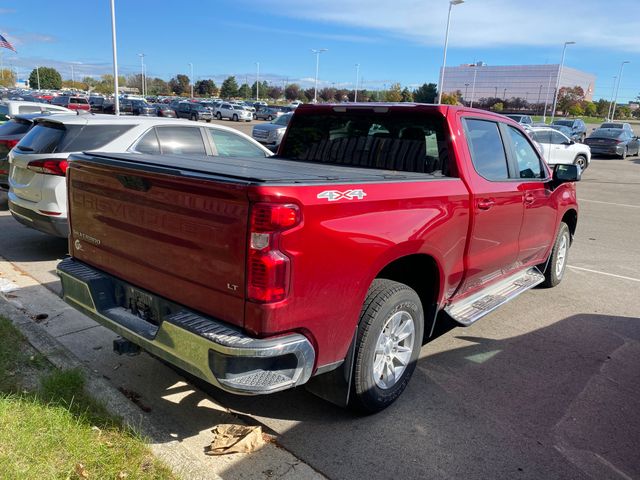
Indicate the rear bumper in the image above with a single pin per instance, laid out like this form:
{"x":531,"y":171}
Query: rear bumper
{"x":205,"y":347}
{"x":58,"y":227}
{"x":606,"y":149}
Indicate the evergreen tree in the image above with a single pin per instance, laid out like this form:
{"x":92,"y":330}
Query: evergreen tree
{"x":229,"y":88}
{"x":49,"y":78}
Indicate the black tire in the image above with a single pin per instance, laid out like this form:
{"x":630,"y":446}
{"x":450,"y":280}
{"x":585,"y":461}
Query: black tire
{"x":235,"y":117}
{"x":581,"y":161}
{"x":194,"y":118}
{"x":553,"y":274}
{"x":219,"y":116}
{"x":208,"y":120}
{"x":386,"y":301}
{"x":269,"y":118}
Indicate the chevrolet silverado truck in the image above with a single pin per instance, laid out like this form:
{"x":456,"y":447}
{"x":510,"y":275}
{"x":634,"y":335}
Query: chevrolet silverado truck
{"x":327,"y":264}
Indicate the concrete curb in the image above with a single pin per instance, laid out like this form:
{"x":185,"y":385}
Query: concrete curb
{"x":177,"y":457}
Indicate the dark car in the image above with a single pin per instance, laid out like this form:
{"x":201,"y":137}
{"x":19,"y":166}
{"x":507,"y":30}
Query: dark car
{"x":193,"y":111}
{"x":126,"y":107}
{"x":267,"y":113}
{"x":10,"y":134}
{"x":97,"y":104}
{"x":613,"y":141}
{"x":164,"y":110}
{"x":140,"y":107}
{"x":577,"y":126}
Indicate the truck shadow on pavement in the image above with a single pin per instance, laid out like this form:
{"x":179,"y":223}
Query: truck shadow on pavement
{"x":25,"y":244}
{"x":558,"y":402}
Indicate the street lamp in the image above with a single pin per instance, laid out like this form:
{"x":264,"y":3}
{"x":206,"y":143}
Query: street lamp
{"x":38,"y":75}
{"x":317,"y":53}
{"x":355,"y":95}
{"x":615,"y":99}
{"x":73,"y":78}
{"x":116,"y":100}
{"x":555,"y":96}
{"x":466,"y":87}
{"x":141,"y":55}
{"x":191,"y":79}
{"x":504,"y":94}
{"x":446,"y":42}
{"x":257,"y":81}
{"x":473,"y":87}
{"x":613,"y":92}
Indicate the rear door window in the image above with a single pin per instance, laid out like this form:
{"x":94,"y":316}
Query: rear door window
{"x":557,"y":138}
{"x":181,"y":140}
{"x":487,"y":151}
{"x":229,"y":144}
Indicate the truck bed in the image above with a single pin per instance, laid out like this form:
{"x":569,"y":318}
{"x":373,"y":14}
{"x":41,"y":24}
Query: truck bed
{"x":272,"y":170}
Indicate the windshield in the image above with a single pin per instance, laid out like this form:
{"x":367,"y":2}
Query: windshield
{"x":607,"y":133}
{"x":566,"y":123}
{"x":282,"y":120}
{"x":611,"y":125}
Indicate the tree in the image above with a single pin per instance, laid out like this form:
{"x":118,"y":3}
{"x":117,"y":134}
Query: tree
{"x":180,"y":84}
{"x":568,"y":97}
{"x":90,"y":81}
{"x":264,"y":87}
{"x":576,"y":110}
{"x":292,"y":92}
{"x":49,"y":78}
{"x":454,"y":98}
{"x":497,"y":107}
{"x":75,"y":85}
{"x":602,"y":107}
{"x":308,"y":94}
{"x":105,"y":85}
{"x":374,"y":96}
{"x":407,"y":96}
{"x":427,"y":93}
{"x":7,"y":78}
{"x":589,"y":108}
{"x":244,"y":91}
{"x":206,"y":88}
{"x":394,"y":94}
{"x":135,"y":81}
{"x":327,"y":94}
{"x":342,"y":95}
{"x":274,"y":93}
{"x":157,"y":86}
{"x":229,"y":88}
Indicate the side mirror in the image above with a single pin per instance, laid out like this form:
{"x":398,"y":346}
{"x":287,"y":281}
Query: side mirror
{"x":566,"y":173}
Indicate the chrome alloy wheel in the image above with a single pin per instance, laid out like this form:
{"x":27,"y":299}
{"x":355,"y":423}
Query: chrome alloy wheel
{"x":393,"y":349}
{"x":561,"y":256}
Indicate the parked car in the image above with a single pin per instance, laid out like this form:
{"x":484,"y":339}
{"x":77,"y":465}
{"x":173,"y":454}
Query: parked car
{"x":141,"y":107}
{"x":233,"y":112}
{"x":97,"y":104}
{"x":622,"y":125}
{"x":38,"y":163}
{"x":577,"y":126}
{"x":164,"y":110}
{"x":558,"y":148}
{"x":521,"y":119}
{"x":332,"y":258}
{"x":193,"y":111}
{"x":561,"y":128}
{"x":613,"y":141}
{"x":267,"y":113}
{"x":9,"y":108}
{"x":72,"y":103}
{"x":271,"y":133}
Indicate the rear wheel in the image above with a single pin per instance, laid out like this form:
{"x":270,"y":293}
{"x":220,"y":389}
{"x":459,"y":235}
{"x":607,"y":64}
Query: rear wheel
{"x":235,"y":117}
{"x":388,"y":343}
{"x":194,"y":118}
{"x":557,"y":263}
{"x":219,"y":116}
{"x":581,"y":161}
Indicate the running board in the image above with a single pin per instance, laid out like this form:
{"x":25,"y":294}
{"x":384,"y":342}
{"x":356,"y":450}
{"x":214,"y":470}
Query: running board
{"x":473,"y":308}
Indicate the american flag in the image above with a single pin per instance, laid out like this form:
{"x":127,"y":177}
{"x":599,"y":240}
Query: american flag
{"x":6,"y":43}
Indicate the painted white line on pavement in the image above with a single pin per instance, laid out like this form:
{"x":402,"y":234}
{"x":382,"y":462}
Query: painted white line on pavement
{"x":605,"y":273}
{"x":609,"y":203}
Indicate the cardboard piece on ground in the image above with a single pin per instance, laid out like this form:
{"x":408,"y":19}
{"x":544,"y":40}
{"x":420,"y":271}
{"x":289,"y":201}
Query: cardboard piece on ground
{"x":230,"y":438}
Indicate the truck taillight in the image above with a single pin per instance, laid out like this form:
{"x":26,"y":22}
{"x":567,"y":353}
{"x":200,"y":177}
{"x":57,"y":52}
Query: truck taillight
{"x":268,"y":267}
{"x":49,"y":166}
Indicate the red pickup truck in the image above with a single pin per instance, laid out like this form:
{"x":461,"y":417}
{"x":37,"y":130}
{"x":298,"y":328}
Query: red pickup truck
{"x":327,"y":263}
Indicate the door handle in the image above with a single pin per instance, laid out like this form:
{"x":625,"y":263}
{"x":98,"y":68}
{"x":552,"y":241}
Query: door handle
{"x":486,"y":203}
{"x":529,"y":198}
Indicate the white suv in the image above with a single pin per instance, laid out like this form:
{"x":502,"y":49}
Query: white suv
{"x":233,"y":112}
{"x":556,"y":147}
{"x":38,"y":163}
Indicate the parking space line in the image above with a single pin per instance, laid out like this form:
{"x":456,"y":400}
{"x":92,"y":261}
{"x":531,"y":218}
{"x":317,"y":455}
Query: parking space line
{"x":605,"y":273}
{"x":609,"y":203}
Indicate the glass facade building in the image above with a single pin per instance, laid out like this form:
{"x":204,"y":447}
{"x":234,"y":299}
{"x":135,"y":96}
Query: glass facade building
{"x":534,"y":83}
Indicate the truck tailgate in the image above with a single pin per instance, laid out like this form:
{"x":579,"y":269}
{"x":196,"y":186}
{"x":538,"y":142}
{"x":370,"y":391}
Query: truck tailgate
{"x":181,"y":238}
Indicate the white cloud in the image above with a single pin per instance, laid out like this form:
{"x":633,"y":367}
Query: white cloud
{"x":482,"y":23}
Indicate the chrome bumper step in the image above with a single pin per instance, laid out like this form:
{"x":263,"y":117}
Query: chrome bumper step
{"x":473,"y":308}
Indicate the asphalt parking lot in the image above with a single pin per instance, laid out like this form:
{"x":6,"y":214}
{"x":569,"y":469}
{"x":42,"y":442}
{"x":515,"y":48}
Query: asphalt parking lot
{"x":548,"y":386}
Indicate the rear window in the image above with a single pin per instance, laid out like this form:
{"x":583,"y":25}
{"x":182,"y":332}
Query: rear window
{"x":566,"y":123}
{"x":79,"y":100}
{"x":607,"y":133}
{"x":611,"y":125}
{"x":56,"y":138}
{"x":408,"y":142}
{"x":14,"y":127}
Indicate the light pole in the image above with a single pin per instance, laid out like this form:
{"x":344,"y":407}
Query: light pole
{"x":141,"y":55}
{"x":355,"y":94}
{"x":615,"y":99}
{"x":73,"y":78}
{"x":546,"y":100}
{"x":116,"y":100}
{"x":446,"y":42}
{"x":317,"y":53}
{"x":473,"y":87}
{"x":191,"y":79}
{"x":504,"y":94}
{"x":38,"y":75}
{"x":466,"y":88}
{"x":613,"y":92}
{"x":257,"y":81}
{"x":555,"y":96}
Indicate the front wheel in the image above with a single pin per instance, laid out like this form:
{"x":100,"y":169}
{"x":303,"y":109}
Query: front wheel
{"x":235,"y":117}
{"x":219,"y":116}
{"x":581,"y":161}
{"x":624,"y":153}
{"x":557,"y":263}
{"x":388,"y":343}
{"x":269,"y":118}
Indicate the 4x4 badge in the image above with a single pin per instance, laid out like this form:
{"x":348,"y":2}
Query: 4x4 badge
{"x":335,"y":195}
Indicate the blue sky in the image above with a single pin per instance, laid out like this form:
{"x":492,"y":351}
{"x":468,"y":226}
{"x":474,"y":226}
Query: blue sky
{"x":393,"y":41}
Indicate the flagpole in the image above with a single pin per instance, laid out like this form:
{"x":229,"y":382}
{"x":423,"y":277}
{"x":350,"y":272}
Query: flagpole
{"x":116,"y":103}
